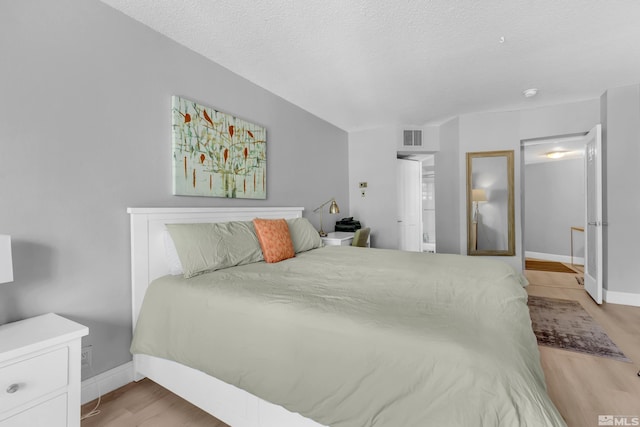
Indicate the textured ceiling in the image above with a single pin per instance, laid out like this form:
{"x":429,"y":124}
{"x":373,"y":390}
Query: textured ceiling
{"x":361,"y":64}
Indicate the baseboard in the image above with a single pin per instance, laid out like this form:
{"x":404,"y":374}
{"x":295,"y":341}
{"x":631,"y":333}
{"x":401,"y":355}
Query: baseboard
{"x":105,"y":382}
{"x":553,"y":257}
{"x":624,"y":298}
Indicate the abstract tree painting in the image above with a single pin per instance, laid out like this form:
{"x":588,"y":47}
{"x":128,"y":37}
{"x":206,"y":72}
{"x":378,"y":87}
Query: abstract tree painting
{"x":215,"y":154}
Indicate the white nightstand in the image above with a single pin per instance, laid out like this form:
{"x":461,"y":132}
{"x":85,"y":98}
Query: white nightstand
{"x":40,"y":372}
{"x":338,"y":238}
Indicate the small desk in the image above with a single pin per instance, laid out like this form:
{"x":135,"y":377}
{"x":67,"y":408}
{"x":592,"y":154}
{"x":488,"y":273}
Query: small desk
{"x":576,"y":229}
{"x":341,"y":238}
{"x":338,"y":238}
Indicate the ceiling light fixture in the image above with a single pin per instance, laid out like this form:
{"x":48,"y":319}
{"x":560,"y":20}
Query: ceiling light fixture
{"x":530,"y":92}
{"x":556,"y":154}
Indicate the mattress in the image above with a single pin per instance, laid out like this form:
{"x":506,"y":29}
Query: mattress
{"x":360,"y":337}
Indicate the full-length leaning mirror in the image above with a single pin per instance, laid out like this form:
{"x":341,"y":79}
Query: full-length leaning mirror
{"x":490,"y":209}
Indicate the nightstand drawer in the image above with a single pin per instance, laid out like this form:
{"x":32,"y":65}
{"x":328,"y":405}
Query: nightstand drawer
{"x":32,"y":378}
{"x":52,"y":413}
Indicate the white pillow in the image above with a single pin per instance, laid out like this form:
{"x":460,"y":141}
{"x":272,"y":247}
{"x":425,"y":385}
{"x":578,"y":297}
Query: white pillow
{"x":175,"y":266}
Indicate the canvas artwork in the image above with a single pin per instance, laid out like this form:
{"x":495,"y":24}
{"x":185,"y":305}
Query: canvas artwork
{"x":216,"y":154}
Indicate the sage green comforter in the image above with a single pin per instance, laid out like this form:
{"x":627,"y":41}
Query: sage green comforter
{"x":360,"y":337}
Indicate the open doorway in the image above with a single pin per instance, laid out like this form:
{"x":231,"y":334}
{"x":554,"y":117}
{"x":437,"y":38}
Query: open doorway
{"x":554,"y":205}
{"x":416,"y":202}
{"x":429,"y":204}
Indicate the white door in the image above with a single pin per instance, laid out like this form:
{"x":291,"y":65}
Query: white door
{"x":409,"y":205}
{"x":593,"y":208}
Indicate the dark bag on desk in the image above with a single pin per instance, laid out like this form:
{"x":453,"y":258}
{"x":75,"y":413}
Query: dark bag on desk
{"x":348,"y":224}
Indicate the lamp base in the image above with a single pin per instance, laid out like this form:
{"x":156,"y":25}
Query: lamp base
{"x":322,"y":233}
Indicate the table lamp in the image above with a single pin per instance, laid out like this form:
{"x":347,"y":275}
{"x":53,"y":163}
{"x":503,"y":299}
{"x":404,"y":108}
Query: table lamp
{"x":477,"y":195}
{"x":333,"y":209}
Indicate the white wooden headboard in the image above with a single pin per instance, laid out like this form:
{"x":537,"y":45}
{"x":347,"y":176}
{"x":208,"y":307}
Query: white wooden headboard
{"x":148,"y":259}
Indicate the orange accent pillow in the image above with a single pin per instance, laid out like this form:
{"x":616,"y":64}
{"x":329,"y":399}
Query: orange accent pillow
{"x":274,"y":238}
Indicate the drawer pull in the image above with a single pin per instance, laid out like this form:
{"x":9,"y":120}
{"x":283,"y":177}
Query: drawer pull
{"x":13,"y":388}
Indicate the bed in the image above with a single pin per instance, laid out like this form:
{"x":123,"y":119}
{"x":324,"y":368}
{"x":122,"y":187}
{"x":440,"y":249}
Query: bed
{"x":345,"y":336}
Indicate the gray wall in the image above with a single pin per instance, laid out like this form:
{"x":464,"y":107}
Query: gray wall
{"x":496,"y":131}
{"x":85,"y":131}
{"x":621,"y":119}
{"x":554,"y":202}
{"x":370,"y":152}
{"x":447,"y":183}
{"x":372,"y":159}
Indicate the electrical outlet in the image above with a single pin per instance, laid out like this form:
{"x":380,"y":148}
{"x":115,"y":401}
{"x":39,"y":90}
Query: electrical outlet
{"x":363,"y":185}
{"x":85,"y":356}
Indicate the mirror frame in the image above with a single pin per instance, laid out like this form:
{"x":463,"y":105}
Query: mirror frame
{"x":511,"y":243}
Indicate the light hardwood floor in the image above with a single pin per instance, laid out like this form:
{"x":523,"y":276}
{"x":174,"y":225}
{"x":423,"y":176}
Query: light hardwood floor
{"x":146,"y":404}
{"x":581,"y":386}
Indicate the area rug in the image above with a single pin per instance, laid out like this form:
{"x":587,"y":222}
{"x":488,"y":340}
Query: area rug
{"x":565,"y":324}
{"x":540,"y":265}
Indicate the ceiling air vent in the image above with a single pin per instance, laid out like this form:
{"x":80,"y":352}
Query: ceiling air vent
{"x":412,"y":138}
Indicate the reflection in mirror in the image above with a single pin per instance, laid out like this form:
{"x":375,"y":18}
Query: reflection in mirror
{"x":490,"y":209}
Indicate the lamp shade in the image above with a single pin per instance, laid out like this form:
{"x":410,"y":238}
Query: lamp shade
{"x":6,"y":262}
{"x":334,"y":209}
{"x":478,"y":195}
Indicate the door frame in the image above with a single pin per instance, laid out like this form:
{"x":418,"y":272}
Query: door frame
{"x":541,"y":140}
{"x":420,"y":157}
{"x":593,"y":284}
{"x":409,"y":191}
